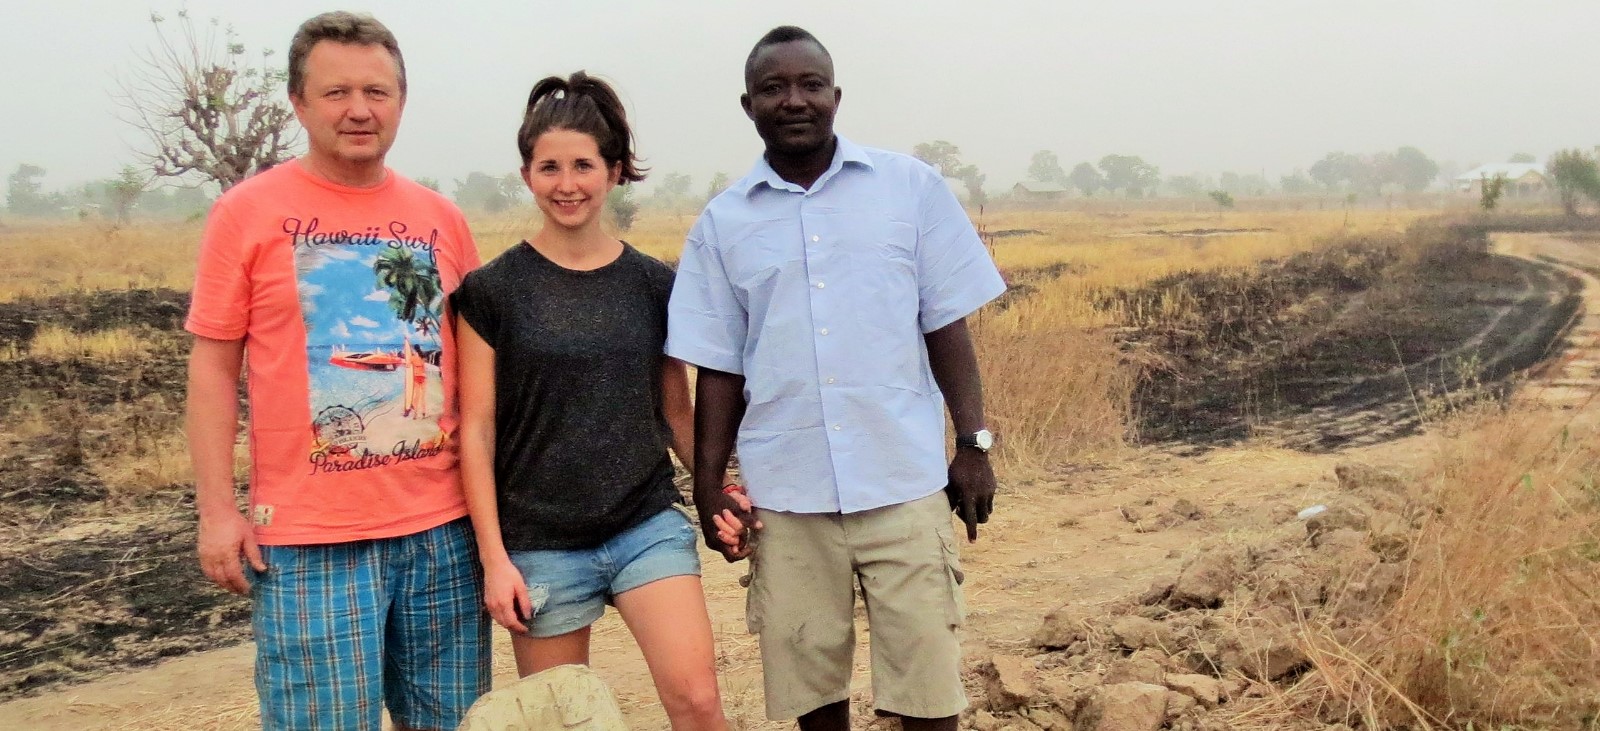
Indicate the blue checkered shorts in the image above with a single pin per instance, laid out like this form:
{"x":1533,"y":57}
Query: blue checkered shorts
{"x":344,"y":629}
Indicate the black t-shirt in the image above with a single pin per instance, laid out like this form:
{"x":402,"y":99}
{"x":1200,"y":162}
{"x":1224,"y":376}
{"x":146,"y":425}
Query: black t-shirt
{"x":580,"y":435}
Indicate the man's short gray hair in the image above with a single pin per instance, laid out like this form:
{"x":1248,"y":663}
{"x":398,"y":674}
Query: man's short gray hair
{"x":339,"y":26}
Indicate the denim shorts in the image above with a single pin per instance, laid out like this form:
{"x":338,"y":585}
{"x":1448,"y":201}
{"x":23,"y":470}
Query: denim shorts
{"x":344,"y":629}
{"x":569,"y":590}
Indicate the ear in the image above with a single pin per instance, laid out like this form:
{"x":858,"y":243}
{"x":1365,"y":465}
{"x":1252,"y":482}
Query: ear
{"x":527,"y":177}
{"x":302,"y":110}
{"x":614,"y":175}
{"x":744,"y":101}
{"x":838,"y":94}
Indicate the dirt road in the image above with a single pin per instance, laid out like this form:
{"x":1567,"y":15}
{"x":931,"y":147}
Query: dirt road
{"x":1084,"y":533}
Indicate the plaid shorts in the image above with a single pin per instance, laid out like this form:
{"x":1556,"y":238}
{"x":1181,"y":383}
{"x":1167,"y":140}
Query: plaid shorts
{"x":344,"y":629}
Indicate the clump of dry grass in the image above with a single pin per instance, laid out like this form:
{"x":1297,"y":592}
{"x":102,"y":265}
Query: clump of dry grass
{"x":1053,"y":395}
{"x":58,"y":343}
{"x":1499,"y":621}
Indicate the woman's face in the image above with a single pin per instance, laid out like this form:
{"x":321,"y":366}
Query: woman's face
{"x":569,"y":179}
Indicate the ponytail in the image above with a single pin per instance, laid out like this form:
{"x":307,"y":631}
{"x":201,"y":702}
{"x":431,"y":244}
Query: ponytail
{"x":581,"y":103}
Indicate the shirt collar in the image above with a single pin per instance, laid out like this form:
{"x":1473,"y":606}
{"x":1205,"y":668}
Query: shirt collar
{"x":845,"y":152}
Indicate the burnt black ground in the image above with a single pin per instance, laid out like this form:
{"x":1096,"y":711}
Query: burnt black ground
{"x":96,"y":578}
{"x":1335,"y":348}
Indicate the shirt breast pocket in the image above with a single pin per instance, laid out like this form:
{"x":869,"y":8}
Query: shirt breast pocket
{"x":886,"y":266}
{"x":756,"y":260}
{"x":896,"y":241}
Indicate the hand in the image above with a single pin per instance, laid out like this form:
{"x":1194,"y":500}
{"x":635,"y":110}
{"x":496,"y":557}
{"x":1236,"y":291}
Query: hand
{"x":727,"y":520}
{"x":971,"y":489}
{"x":223,"y":538}
{"x":505,"y":595}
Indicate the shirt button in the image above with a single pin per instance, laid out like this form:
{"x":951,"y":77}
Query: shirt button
{"x":820,"y":285}
{"x":830,"y":380}
{"x":823,"y":331}
{"x":816,"y":238}
{"x":836,"y":427}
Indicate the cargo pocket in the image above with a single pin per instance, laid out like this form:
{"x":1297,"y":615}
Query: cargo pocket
{"x":956,"y":604}
{"x":753,"y":599}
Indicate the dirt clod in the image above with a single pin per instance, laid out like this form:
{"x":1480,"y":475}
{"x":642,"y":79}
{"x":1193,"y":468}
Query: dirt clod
{"x":1137,"y":633}
{"x":1135,"y":669}
{"x":1203,"y":688}
{"x":1130,"y":707}
{"x":1062,"y":627}
{"x":1010,"y":683}
{"x":1206,"y":580}
{"x":1335,"y":518}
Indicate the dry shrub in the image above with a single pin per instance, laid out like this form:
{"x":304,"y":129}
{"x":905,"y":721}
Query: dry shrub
{"x":1499,"y":622}
{"x":144,"y":465}
{"x":1053,"y":393}
{"x":54,"y":342}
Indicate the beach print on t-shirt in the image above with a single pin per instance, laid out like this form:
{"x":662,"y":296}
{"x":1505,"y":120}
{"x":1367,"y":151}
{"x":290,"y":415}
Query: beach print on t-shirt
{"x":372,"y":308}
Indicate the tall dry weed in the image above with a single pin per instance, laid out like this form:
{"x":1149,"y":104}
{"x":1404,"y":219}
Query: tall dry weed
{"x":1052,"y":394}
{"x":1499,"y":622}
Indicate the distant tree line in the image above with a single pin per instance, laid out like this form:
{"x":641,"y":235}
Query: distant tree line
{"x":117,"y":199}
{"x":1407,"y":168}
{"x":1128,"y":175}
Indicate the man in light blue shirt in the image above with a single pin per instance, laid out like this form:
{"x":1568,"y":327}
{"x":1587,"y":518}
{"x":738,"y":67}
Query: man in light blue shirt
{"x":823,"y":297}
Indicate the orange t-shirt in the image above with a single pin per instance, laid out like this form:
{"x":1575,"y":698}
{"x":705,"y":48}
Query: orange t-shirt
{"x":339,"y":296}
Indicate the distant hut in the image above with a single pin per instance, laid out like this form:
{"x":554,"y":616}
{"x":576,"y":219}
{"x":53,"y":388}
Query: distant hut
{"x":1523,"y":179}
{"x":1033,"y":191}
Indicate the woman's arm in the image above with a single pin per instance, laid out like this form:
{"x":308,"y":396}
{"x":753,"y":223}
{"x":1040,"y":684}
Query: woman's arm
{"x":678,"y":408}
{"x":505,"y":592}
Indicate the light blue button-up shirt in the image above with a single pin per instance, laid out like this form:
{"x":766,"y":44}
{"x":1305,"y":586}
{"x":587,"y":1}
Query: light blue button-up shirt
{"x":820,"y":299}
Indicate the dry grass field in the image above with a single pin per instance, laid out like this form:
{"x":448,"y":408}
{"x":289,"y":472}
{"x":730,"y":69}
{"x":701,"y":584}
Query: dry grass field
{"x":1221,"y":338}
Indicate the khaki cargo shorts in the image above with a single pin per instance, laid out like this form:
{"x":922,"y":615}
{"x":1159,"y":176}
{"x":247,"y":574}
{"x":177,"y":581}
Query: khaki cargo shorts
{"x":803,"y":580}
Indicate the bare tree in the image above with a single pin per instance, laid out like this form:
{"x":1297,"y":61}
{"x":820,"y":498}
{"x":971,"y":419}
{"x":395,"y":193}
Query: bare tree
{"x":206,"y":108}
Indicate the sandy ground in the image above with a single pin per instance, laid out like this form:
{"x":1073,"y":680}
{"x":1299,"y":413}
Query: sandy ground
{"x":1056,"y":538}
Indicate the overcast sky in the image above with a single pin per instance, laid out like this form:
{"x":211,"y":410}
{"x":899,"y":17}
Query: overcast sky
{"x":1192,"y":86}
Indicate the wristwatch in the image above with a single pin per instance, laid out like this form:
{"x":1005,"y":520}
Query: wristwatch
{"x":981,"y":440}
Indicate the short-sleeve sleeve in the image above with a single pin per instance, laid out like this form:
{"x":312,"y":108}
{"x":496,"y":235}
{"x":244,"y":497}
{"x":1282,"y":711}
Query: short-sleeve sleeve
{"x":474,"y":302}
{"x":955,"y":275}
{"x":219,"y":307}
{"x":468,"y":251}
{"x":659,"y":277}
{"x":706,"y":323}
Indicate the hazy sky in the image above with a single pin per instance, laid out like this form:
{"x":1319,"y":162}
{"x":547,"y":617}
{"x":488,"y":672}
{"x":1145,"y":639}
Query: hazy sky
{"x":1190,"y":85}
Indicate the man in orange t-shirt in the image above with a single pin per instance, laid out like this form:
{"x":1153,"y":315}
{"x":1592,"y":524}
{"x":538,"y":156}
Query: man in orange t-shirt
{"x":330,"y":271}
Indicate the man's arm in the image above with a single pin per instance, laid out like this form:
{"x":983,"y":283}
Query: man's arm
{"x":719,"y":407}
{"x":212,"y":423}
{"x":955,"y":368}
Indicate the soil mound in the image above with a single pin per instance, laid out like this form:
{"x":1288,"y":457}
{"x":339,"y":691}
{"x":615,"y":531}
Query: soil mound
{"x":1201,"y":647}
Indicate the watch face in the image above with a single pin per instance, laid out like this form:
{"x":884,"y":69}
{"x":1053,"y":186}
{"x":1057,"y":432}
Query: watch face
{"x":984,"y":439}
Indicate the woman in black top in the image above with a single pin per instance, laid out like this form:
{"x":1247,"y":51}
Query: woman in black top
{"x":568,"y":409}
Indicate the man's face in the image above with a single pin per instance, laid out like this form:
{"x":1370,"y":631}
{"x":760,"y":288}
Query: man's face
{"x":790,"y":95}
{"x":350,"y":106}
